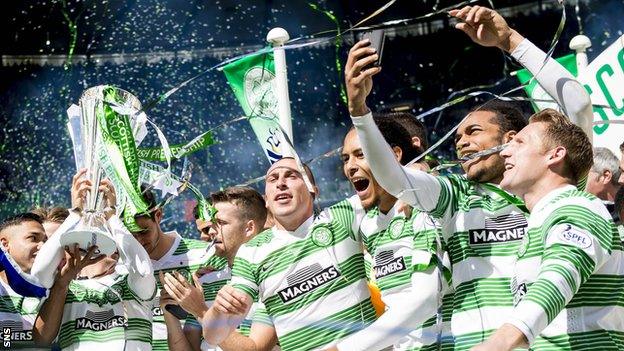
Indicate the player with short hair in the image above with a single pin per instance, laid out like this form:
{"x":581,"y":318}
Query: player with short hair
{"x":482,"y":224}
{"x":21,"y":237}
{"x":568,"y":277}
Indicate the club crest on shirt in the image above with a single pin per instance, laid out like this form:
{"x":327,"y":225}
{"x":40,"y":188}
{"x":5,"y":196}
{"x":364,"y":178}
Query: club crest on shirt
{"x":114,"y":294}
{"x":524,"y":246}
{"x":322,"y":236}
{"x":396,"y":227}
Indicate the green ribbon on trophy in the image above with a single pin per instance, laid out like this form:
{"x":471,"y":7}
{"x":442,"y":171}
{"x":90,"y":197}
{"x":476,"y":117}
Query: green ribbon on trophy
{"x":205,"y":210}
{"x":177,"y":151}
{"x":120,"y":158}
{"x":151,"y":172}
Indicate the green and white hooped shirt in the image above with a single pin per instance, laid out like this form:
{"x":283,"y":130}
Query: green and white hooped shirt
{"x":211,"y":284}
{"x":105,"y":314}
{"x":312,"y":281}
{"x":483,"y":227}
{"x":17,"y":317}
{"x":186,"y":256}
{"x":569,"y":277}
{"x":401,"y":247}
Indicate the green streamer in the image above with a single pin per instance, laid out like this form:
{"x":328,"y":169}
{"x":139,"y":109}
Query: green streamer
{"x":337,"y":44}
{"x":205,"y":210}
{"x":73,"y":32}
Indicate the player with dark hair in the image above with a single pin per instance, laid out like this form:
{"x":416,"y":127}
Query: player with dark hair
{"x":414,"y":127}
{"x":407,"y":285}
{"x":471,"y":208}
{"x":21,"y":237}
{"x":240,"y":215}
{"x":108,"y":306}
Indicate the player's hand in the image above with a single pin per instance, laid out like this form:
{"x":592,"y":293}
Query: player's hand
{"x":74,"y":263}
{"x":189,"y":297}
{"x":201,"y":271}
{"x":231,"y":301}
{"x":359,"y":80}
{"x":486,"y":27}
{"x":165,"y":299}
{"x":108,"y":191}
{"x":405,"y":208}
{"x":80,"y":187}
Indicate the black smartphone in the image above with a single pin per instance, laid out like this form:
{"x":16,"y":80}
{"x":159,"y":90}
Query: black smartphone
{"x":377,"y":38}
{"x":177,"y":311}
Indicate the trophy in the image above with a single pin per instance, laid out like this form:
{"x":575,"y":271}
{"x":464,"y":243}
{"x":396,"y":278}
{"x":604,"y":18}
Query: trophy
{"x":86,"y":135}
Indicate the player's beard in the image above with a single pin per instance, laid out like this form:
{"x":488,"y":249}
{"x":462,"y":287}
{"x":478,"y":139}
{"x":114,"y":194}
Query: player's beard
{"x":488,"y":174}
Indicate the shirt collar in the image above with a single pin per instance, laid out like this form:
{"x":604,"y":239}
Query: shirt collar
{"x":302,"y":230}
{"x":539,"y":206}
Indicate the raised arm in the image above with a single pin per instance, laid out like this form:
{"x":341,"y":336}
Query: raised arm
{"x":48,"y":320}
{"x":52,"y":252}
{"x":416,"y":188}
{"x":49,"y":258}
{"x":487,"y":28}
{"x":140,"y":272}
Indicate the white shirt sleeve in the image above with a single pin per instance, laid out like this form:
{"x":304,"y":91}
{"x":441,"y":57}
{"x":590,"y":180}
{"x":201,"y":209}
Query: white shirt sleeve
{"x":140,"y":271}
{"x":52,"y":253}
{"x":406,"y":311}
{"x":417,"y":188}
{"x":558,"y":83}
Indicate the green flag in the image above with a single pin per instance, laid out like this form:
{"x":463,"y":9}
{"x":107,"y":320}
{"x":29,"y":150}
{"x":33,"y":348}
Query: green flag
{"x":252,"y":79}
{"x":535,"y":91}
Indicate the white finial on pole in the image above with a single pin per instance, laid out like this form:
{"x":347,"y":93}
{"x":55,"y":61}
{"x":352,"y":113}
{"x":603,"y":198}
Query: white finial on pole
{"x":277,"y":37}
{"x":580,"y":43}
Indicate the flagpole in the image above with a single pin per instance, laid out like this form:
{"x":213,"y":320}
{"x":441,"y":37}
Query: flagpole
{"x":277,"y":37}
{"x":580,"y":44}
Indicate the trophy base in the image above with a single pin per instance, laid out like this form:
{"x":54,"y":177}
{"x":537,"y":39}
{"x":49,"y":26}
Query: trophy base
{"x":87,"y":238}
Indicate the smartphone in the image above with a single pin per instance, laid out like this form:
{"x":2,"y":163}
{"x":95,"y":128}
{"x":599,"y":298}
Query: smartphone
{"x":377,"y":38}
{"x":177,"y":311}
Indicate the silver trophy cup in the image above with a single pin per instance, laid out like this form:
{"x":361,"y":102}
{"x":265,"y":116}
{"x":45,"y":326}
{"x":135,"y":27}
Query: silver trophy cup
{"x":93,"y":228}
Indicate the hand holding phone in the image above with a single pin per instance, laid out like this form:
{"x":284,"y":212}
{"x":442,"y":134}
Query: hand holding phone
{"x":377,"y":38}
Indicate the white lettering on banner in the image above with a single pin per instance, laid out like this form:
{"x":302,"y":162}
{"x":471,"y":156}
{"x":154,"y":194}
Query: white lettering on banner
{"x":603,"y":79}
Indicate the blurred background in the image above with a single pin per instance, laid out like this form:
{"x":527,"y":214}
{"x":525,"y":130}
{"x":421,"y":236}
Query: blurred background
{"x":52,"y":50}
